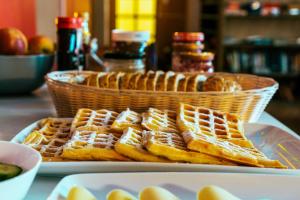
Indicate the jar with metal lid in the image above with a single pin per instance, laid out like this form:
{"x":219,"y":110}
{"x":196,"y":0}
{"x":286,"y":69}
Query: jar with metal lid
{"x":128,"y":50}
{"x":187,"y":53}
{"x":69,"y":42}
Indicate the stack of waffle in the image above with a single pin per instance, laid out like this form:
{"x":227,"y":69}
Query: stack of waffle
{"x":191,"y":135}
{"x":155,"y":81}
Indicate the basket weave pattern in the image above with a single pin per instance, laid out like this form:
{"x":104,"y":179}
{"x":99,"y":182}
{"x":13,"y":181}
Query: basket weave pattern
{"x":249,"y":103}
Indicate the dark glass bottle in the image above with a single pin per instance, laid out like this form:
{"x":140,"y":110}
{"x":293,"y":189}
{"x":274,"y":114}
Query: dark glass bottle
{"x":69,"y":42}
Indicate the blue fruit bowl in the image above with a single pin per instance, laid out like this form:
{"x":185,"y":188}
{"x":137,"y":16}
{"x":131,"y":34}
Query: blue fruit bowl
{"x":23,"y":74}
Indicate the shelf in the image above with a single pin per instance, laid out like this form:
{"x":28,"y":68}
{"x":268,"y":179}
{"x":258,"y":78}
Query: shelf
{"x":262,"y":47}
{"x":258,"y":17}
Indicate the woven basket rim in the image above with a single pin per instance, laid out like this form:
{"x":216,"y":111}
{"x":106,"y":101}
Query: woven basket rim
{"x":273,"y":85}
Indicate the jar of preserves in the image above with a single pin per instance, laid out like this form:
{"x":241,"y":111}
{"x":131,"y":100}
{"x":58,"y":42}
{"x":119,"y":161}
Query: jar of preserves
{"x":187,"y":53}
{"x":194,"y":62}
{"x":129,"y":43}
{"x":128,"y":51}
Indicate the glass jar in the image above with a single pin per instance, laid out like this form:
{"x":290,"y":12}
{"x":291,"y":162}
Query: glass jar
{"x":128,"y":50}
{"x":194,"y":62}
{"x":69,"y":41}
{"x":121,"y":63}
{"x":130,"y":43}
{"x":187,"y":53}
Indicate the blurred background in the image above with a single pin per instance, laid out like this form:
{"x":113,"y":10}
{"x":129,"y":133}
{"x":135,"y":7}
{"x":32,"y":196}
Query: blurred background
{"x":259,"y":37}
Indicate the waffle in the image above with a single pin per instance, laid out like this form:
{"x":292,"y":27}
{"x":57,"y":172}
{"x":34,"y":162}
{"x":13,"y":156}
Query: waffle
{"x":50,"y":149}
{"x":158,"y":120}
{"x":213,"y":123}
{"x":219,"y":83}
{"x":92,"y":119}
{"x":194,"y":83}
{"x":92,"y":80}
{"x":130,"y":144}
{"x":126,"y":80}
{"x":152,"y":80}
{"x":133,"y":83}
{"x":162,"y":81}
{"x":49,"y":138}
{"x":93,"y":145}
{"x":55,"y":128}
{"x":221,"y":148}
{"x":103,"y":79}
{"x":173,"y":147}
{"x":174,"y":81}
{"x":53,"y":150}
{"x":126,"y":119}
{"x":142,"y":82}
{"x":182,"y":85}
{"x":114,"y":80}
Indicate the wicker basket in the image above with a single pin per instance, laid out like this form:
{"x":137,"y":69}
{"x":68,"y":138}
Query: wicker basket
{"x":249,"y":103}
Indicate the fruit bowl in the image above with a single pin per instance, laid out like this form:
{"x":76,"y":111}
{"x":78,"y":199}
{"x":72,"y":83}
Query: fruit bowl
{"x":21,"y":74}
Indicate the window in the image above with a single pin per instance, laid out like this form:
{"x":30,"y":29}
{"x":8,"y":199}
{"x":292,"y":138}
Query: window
{"x":136,"y":15}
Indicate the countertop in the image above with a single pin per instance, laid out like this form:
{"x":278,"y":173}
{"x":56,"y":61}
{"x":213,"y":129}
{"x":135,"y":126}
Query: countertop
{"x":16,"y":112}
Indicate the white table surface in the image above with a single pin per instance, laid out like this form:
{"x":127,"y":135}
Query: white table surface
{"x":18,"y":112}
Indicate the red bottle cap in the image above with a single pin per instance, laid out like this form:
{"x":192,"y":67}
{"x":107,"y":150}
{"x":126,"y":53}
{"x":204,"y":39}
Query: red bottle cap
{"x":69,"y":22}
{"x":188,"y":36}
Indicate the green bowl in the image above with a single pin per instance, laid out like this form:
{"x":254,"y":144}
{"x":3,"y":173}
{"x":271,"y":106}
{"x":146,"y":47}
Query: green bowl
{"x":23,"y":74}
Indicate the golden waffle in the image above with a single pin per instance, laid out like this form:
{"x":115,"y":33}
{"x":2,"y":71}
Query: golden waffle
{"x":55,"y":128}
{"x":131,"y":145}
{"x":93,"y":145}
{"x":221,"y":148}
{"x":219,"y":83}
{"x":158,"y":120}
{"x":134,"y":81}
{"x":103,"y":79}
{"x":221,"y":125}
{"x":127,"y":118}
{"x":92,"y":80}
{"x":182,"y":85}
{"x":93,"y":119}
{"x":194,"y":83}
{"x":152,"y":80}
{"x":35,"y":139}
{"x":49,"y":138}
{"x":53,"y":150}
{"x":142,"y":82}
{"x":125,"y":80}
{"x":173,"y":82}
{"x":173,"y":147}
{"x":162,"y":81}
{"x":114,"y":80}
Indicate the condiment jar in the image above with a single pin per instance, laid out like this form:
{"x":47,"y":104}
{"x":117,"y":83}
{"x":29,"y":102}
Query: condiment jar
{"x":195,"y":62}
{"x":187,"y":53}
{"x":128,"y":50}
{"x":130,"y":43}
{"x":69,"y":42}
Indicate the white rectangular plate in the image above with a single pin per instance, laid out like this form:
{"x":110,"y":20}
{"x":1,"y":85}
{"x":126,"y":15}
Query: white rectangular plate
{"x":185,"y":185}
{"x":274,"y":142}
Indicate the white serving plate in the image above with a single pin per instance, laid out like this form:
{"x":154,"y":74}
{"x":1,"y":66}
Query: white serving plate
{"x":185,"y":185}
{"x":274,"y":142}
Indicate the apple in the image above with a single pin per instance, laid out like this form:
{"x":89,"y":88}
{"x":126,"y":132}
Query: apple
{"x":12,"y":42}
{"x":41,"y":45}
